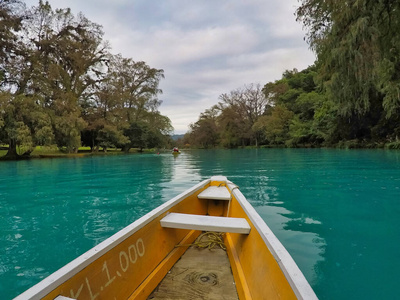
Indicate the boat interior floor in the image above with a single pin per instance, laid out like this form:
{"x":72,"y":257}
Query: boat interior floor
{"x":201,"y":273}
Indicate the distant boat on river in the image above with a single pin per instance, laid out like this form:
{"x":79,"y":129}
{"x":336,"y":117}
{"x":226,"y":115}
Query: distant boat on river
{"x":175,"y":151}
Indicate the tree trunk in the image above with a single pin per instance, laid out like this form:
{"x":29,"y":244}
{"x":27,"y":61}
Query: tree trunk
{"x":12,"y":151}
{"x":126,"y":149}
{"x":96,"y":148}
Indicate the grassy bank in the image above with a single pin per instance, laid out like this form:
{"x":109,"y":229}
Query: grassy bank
{"x":54,"y":152}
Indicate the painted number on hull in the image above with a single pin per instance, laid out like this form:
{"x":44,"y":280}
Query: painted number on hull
{"x":126,"y":260}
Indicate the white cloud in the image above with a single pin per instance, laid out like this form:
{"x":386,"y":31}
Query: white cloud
{"x":242,"y":69}
{"x":171,"y":47}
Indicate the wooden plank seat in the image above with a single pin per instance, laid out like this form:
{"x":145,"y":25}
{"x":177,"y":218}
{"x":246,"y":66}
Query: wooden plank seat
{"x":215,"y":193}
{"x":205,"y":223}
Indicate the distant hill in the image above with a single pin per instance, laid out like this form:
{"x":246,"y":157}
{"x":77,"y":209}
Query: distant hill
{"x":176,"y":137}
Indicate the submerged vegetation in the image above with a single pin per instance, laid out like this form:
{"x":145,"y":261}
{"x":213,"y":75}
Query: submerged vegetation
{"x":60,"y":85}
{"x":349,"y":98}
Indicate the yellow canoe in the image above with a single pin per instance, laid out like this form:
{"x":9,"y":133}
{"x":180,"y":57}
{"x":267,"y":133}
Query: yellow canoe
{"x":138,"y":261}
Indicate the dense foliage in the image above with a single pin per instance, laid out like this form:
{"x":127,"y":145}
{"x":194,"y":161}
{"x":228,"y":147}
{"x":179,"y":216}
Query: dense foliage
{"x":288,"y":112}
{"x":350,"y":97}
{"x":59,"y":84}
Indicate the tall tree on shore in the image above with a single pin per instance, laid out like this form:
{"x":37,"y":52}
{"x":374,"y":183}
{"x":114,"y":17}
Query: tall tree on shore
{"x":248,"y":104}
{"x":204,"y":132}
{"x":231,"y":129}
{"x":12,"y":128}
{"x":276,"y":125}
{"x":230,"y":122}
{"x":124,"y":109}
{"x":69,"y":54}
{"x":11,"y":17}
{"x":59,"y":84}
{"x":103,"y":113}
{"x":58,"y":60}
{"x":358,"y":47}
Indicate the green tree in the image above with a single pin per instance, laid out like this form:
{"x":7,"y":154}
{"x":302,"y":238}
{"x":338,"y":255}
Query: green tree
{"x":276,"y":124}
{"x":137,"y":87}
{"x":301,"y":128}
{"x":123,"y":110}
{"x":358,"y":46}
{"x":10,"y":24}
{"x":105,"y":117}
{"x":11,"y":131}
{"x":69,"y":56}
{"x":160,"y":130}
{"x":245,"y":105}
{"x":152,"y":131}
{"x":232,"y":129}
{"x":299,"y":93}
{"x":204,"y":132}
{"x":60,"y":85}
{"x":58,"y":60}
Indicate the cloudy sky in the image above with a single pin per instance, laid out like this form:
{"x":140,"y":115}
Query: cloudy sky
{"x":205,"y":47}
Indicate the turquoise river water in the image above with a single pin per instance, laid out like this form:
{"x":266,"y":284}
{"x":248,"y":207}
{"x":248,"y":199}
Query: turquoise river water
{"x":337,"y":212}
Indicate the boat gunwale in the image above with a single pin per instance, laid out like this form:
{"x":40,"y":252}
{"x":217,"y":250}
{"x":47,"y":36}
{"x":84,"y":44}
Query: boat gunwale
{"x":293,"y":274}
{"x":42,"y":288}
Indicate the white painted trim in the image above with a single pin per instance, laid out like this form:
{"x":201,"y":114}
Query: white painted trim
{"x":63,"y":298}
{"x":205,"y":223}
{"x":295,"y":277}
{"x":58,"y":277}
{"x":215,"y":193}
{"x":218,"y":178}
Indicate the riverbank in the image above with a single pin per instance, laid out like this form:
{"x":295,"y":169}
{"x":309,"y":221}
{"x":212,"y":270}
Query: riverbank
{"x":54,"y":152}
{"x":348,"y":144}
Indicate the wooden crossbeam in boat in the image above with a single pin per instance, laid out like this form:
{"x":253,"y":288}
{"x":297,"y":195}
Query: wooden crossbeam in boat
{"x":215,"y":193}
{"x":205,"y":223}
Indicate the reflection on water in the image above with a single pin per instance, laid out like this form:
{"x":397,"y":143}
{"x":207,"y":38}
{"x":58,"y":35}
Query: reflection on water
{"x":335,"y":211}
{"x":310,"y":246}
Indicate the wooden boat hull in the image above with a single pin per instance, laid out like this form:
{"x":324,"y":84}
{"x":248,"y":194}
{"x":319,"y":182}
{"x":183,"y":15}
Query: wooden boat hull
{"x":131,"y":263}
